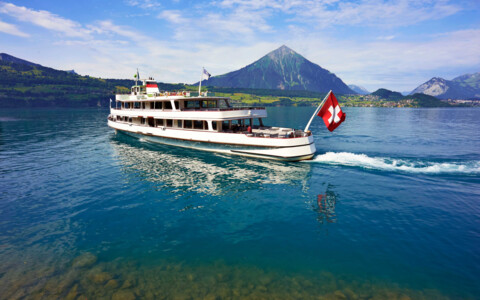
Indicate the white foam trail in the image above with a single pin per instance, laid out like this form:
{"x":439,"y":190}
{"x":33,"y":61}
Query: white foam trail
{"x":389,"y":164}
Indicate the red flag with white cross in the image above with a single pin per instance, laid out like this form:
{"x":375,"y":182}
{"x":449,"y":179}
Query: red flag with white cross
{"x":331,"y":113}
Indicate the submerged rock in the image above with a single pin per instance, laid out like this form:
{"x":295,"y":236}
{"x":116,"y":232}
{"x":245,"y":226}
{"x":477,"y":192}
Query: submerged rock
{"x":72,"y":294}
{"x":350,"y":294}
{"x":340,"y":295}
{"x":100,"y":278}
{"x":128,"y":283}
{"x":84,"y":260}
{"x":123,"y":295}
{"x":111,"y":284}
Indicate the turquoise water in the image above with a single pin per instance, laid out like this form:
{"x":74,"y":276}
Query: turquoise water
{"x":388,"y":208}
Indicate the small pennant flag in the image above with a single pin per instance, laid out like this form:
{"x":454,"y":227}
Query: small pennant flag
{"x":206,"y":75}
{"x":331,"y":113}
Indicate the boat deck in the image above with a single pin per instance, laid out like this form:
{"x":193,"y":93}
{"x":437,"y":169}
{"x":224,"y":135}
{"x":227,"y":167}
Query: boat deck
{"x":257,"y":131}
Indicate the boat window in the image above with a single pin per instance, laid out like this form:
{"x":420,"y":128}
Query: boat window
{"x":225,"y":125}
{"x":143,"y":105}
{"x":177,"y":104}
{"x":211,"y":103}
{"x":130,"y":120}
{"x":142,"y":120}
{"x":169,"y":123}
{"x":136,"y":104}
{"x":192,"y":104}
{"x":158,"y":105}
{"x":223,"y":103}
{"x":179,"y":123}
{"x":198,"y":124}
{"x":159,"y":122}
{"x":187,"y":124}
{"x":214,"y":125}
{"x":168,"y":105}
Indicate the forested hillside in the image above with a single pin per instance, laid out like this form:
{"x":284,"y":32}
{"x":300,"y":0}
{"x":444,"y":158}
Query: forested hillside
{"x":27,"y":84}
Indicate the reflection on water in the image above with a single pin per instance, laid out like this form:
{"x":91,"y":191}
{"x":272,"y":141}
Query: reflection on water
{"x":195,"y":171}
{"x":326,"y":207}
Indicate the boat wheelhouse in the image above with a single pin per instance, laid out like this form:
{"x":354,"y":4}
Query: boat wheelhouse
{"x":205,"y":122}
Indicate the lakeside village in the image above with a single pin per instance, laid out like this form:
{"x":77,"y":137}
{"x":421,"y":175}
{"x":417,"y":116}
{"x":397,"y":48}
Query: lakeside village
{"x":407,"y":101}
{"x":417,"y":100}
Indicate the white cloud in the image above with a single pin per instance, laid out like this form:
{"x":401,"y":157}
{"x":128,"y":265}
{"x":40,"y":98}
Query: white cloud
{"x":173,"y":16}
{"x":393,"y":64}
{"x":12,"y":29}
{"x":386,"y":38}
{"x":44,"y":19}
{"x":325,"y":13}
{"x":146,"y":4}
{"x":240,"y":24}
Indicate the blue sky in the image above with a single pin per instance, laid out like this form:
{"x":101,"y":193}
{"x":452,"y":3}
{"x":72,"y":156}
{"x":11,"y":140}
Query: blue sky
{"x":373,"y":43}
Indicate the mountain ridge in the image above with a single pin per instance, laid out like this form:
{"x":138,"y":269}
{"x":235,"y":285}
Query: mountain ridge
{"x":466,"y":86}
{"x":9,"y":58}
{"x":284,"y":69}
{"x":358,"y":89}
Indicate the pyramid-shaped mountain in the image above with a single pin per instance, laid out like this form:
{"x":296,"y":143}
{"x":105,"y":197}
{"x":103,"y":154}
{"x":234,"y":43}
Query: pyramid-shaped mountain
{"x":282,"y":69}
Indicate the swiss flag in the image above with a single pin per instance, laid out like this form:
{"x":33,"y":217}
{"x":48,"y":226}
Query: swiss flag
{"x":331,"y":113}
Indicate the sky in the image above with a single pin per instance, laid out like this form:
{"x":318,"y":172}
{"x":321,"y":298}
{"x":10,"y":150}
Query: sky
{"x":396,"y":45}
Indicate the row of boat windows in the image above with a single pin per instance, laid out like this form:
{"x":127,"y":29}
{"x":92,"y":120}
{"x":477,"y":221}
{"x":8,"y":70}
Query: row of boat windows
{"x":234,"y":125}
{"x":193,"y":104}
{"x":150,"y":105}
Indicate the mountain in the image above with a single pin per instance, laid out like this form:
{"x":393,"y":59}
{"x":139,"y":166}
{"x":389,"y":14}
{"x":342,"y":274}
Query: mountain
{"x":470,"y":83}
{"x":8,"y":58}
{"x":358,"y":89}
{"x":462,"y":87}
{"x":388,"y":95}
{"x":282,"y":69}
{"x":422,"y":100}
{"x":23,"y":83}
{"x":415,"y":100}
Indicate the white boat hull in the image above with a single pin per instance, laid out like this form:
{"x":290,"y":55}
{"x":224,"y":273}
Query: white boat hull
{"x":286,"y":149}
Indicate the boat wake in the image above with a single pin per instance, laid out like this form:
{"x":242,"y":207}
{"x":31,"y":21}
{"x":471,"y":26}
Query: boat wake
{"x":391,"y":164}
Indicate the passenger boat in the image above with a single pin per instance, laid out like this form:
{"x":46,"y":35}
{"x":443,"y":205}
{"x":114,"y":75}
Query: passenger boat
{"x":205,"y":122}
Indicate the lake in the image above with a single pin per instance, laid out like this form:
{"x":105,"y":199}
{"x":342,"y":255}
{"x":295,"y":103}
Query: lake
{"x":389,"y":207}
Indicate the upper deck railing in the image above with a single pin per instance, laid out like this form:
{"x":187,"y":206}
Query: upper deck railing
{"x":195,"y":109}
{"x":223,"y":108}
{"x":145,"y":96}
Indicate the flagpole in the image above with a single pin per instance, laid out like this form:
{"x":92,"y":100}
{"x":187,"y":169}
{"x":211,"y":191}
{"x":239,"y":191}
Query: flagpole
{"x":316,"y":111}
{"x":200,"y":84}
{"x":136,"y":77}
